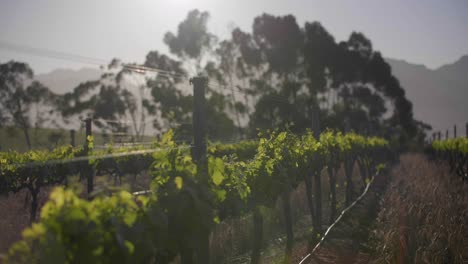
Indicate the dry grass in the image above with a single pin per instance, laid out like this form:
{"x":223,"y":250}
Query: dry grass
{"x":424,"y":215}
{"x":15,"y":213}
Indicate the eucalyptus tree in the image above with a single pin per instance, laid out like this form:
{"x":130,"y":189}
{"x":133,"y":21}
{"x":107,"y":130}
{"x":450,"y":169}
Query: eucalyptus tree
{"x":192,"y":42}
{"x":273,"y":55}
{"x":21,"y":97}
{"x":102,"y":99}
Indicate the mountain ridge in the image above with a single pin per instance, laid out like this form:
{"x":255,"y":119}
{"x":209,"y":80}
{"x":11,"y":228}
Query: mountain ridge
{"x":438,"y":95}
{"x":63,"y":80}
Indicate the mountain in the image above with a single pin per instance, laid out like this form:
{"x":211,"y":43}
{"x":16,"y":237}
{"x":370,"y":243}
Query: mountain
{"x":64,"y":80}
{"x":439,"y":95}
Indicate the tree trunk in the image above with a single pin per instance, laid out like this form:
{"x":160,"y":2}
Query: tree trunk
{"x":362,"y":171}
{"x":34,"y":204}
{"x":369,"y":171}
{"x":310,"y":200}
{"x":258,"y":235}
{"x":318,"y":201}
{"x":26,"y":135}
{"x":186,"y":256}
{"x":288,"y":224}
{"x":21,"y":120}
{"x":332,"y":181}
{"x":233,"y":98}
{"x":203,"y":252}
{"x":348,"y":166}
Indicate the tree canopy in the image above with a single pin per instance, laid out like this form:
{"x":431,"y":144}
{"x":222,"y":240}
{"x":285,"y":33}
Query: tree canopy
{"x":280,"y":73}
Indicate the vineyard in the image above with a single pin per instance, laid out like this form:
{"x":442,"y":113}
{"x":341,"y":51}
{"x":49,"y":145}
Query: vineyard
{"x":279,"y":144}
{"x":455,"y":152}
{"x":193,"y":201}
{"x":185,"y":198}
{"x":185,"y":201}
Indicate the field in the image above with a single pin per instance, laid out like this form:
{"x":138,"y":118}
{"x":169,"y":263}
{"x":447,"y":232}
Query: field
{"x":271,"y":206}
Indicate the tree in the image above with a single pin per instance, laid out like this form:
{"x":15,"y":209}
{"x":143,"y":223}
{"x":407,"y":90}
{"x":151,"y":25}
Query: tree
{"x":20,"y":97}
{"x":110,"y":100}
{"x":273,"y":55}
{"x":297,"y":73}
{"x":192,"y":40}
{"x":168,"y":101}
{"x":194,"y":45}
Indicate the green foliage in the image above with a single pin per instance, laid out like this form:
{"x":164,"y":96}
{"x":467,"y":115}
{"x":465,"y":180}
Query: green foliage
{"x":183,"y":204}
{"x":451,"y":145}
{"x":244,"y":150}
{"x":73,"y":230}
{"x":455,"y":152}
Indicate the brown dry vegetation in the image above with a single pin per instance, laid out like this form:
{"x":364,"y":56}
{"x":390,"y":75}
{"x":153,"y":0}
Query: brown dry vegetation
{"x":14,"y":216}
{"x":424,"y":215}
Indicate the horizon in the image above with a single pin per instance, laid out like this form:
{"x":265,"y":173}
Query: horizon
{"x":88,"y":67}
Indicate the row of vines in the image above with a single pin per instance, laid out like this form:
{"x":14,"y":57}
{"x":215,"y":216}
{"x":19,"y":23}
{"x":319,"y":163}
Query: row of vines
{"x":455,"y":152}
{"x":185,"y":200}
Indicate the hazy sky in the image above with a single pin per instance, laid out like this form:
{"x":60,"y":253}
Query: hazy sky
{"x":430,"y":32}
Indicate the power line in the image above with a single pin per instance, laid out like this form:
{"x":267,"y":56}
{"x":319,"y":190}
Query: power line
{"x":51,"y":53}
{"x":48,"y":53}
{"x":142,"y":69}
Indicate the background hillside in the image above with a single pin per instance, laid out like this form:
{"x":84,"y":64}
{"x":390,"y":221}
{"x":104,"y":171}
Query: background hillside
{"x":64,"y":80}
{"x":439,"y":95}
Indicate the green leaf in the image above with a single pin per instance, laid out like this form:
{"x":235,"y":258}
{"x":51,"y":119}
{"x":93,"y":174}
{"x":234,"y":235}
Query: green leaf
{"x":221,"y":195}
{"x":217,"y":177}
{"x":179,"y":182}
{"x":130,"y":246}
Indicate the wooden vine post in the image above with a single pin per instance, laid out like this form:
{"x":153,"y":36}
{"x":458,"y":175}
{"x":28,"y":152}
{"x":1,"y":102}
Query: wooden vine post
{"x":317,"y":174}
{"x":89,"y":171}
{"x":199,"y":154}
{"x":72,"y":137}
{"x":199,"y":125}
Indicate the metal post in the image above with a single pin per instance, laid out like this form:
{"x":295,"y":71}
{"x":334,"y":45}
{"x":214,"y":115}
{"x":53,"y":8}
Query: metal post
{"x":466,"y":128}
{"x":446,"y":134}
{"x":438,"y":135}
{"x":454,"y":131}
{"x":72,"y":137}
